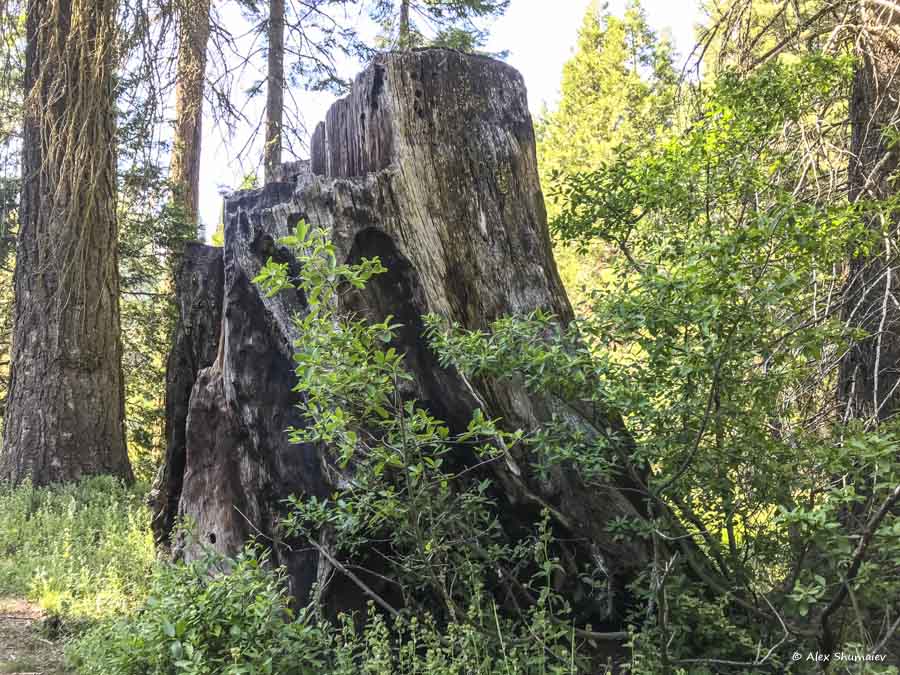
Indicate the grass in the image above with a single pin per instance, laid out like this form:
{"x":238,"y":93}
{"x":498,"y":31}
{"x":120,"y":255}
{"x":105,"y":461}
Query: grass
{"x":80,"y":552}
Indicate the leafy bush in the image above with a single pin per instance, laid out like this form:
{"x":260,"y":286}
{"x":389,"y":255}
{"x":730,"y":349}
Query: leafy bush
{"x":715,"y":333}
{"x":82,"y":550}
{"x":719,"y":333}
{"x":198,"y":620}
{"x":436,"y":521}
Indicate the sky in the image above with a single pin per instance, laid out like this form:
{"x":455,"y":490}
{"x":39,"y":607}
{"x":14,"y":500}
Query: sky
{"x":538,"y":34}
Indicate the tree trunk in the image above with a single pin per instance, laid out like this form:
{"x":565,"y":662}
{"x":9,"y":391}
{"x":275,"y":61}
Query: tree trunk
{"x":869,"y":377}
{"x":66,"y":403}
{"x":870,"y":371}
{"x":403,"y":35}
{"x":275,"y":90}
{"x":184,"y":170}
{"x":429,"y":163}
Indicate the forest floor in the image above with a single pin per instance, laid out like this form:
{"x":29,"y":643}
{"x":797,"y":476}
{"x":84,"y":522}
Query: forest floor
{"x":24,"y":650}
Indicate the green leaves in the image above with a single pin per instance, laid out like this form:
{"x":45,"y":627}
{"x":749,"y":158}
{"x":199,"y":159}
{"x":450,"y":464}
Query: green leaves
{"x":81,"y":551}
{"x":322,"y":276}
{"x":715,"y":330}
{"x":200,"y":621}
{"x":351,"y":375}
{"x":419,"y":495}
{"x":273,"y":277}
{"x":618,"y":92}
{"x":806,"y":595}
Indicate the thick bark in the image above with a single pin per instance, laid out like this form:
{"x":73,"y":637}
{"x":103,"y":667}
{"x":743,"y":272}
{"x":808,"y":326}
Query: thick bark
{"x":198,"y":287}
{"x":429,"y":164}
{"x":275,"y":90}
{"x":869,"y":378}
{"x":184,"y":170}
{"x":66,"y":403}
{"x":870,"y":371}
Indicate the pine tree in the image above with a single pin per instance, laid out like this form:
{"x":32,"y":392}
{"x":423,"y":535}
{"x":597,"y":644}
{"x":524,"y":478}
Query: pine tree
{"x":66,"y":404}
{"x":274,"y":89}
{"x":11,"y":56}
{"x":439,"y":23}
{"x":618,"y":86}
{"x":193,"y":35}
{"x":300,"y":40}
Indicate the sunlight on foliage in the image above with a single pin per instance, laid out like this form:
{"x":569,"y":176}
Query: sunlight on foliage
{"x":81,"y":551}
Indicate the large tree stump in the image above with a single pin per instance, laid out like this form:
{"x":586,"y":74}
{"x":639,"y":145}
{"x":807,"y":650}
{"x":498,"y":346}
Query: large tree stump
{"x":429,"y":164}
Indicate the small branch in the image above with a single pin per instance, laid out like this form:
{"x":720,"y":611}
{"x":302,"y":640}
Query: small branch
{"x":858,"y":557}
{"x":381,"y":602}
{"x":877,"y":649}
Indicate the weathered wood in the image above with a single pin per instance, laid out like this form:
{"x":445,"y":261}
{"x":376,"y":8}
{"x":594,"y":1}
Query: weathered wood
{"x":198,"y":286}
{"x":429,"y":164}
{"x":229,"y":464}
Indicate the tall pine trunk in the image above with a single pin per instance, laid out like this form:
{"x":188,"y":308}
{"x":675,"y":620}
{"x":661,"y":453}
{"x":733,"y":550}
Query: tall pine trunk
{"x":870,"y":371}
{"x":275,"y":91}
{"x":184,"y":171}
{"x":65,"y":413}
{"x":404,"y":25}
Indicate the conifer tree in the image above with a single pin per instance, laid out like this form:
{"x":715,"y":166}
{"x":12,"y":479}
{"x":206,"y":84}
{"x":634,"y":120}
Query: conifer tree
{"x":440,"y":23}
{"x":65,"y":412}
{"x":618,"y":86}
{"x":274,"y":89}
{"x":193,"y":35}
{"x":299,"y":40}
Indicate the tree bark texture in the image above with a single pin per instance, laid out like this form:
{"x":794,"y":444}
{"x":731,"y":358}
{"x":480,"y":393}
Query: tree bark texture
{"x":870,"y":371}
{"x":198,"y":287}
{"x":184,"y":170}
{"x":274,"y":91}
{"x":429,"y":164}
{"x":65,"y":412}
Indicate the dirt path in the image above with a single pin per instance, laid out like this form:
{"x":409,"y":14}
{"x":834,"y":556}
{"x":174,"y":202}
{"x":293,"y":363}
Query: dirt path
{"x":23,"y":650}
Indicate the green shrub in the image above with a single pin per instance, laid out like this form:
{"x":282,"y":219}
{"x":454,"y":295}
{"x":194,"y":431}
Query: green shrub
{"x":82,"y":551}
{"x":197,"y":620}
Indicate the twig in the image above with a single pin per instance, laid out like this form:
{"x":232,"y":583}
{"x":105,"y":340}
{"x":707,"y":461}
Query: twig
{"x":858,"y":557}
{"x":381,"y":602}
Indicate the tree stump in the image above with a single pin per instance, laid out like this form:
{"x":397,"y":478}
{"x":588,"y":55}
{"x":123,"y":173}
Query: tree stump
{"x":429,"y":164}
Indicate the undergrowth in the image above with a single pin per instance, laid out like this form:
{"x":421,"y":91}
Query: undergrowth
{"x":82,"y":551}
{"x":198,"y":621}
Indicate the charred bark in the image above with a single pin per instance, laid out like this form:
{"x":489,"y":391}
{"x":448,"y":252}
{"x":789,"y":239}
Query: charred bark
{"x":65,"y":412}
{"x":429,"y":164}
{"x":198,"y":287}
